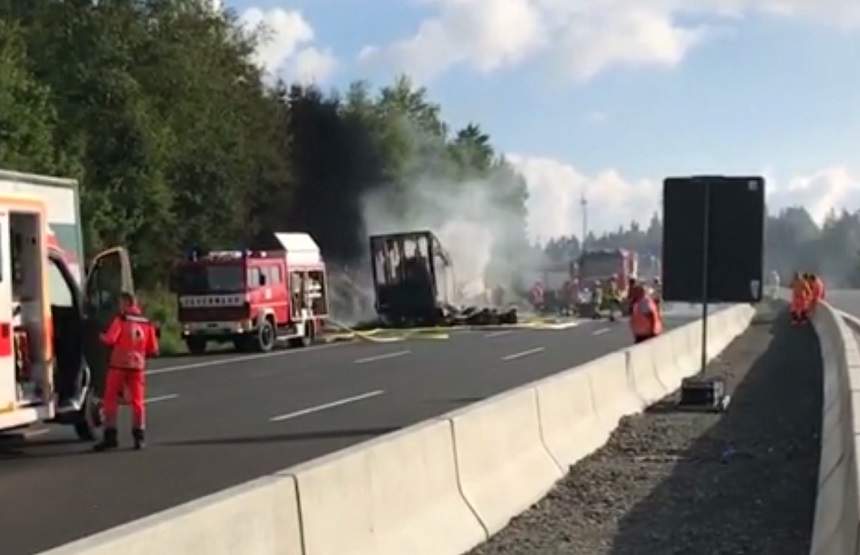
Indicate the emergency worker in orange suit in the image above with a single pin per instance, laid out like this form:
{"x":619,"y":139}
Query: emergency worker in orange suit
{"x":132,"y":338}
{"x":801,"y":296}
{"x":816,"y":286}
{"x":646,"y":321}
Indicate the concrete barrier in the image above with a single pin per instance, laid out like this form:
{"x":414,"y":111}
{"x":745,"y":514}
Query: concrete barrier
{"x":641,"y":363}
{"x":568,"y":416}
{"x":669,"y":370}
{"x":614,"y":395}
{"x":444,"y":485}
{"x":258,"y":517}
{"x":686,"y":348}
{"x":395,"y":494}
{"x":837,"y":509}
{"x":503,"y":464}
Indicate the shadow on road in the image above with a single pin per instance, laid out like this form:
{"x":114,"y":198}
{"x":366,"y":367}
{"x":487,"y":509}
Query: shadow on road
{"x":746,"y":484}
{"x":275,"y":438}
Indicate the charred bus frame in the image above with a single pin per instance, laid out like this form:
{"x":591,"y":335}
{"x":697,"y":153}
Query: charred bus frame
{"x":412,"y":277}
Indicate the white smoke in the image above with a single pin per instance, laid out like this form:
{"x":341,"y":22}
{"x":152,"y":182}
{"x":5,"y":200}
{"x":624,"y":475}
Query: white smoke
{"x":464,"y":218}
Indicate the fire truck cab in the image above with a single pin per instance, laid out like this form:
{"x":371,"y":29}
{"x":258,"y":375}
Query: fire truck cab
{"x":253,"y":298}
{"x":52,"y":363}
{"x":601,"y":265}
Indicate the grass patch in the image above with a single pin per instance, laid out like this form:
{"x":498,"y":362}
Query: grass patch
{"x":160,"y":306}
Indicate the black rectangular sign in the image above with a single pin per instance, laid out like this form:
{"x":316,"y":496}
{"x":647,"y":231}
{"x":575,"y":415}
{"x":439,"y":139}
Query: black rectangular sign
{"x":731,"y":211}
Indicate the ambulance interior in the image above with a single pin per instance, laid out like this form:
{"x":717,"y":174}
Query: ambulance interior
{"x":26,"y":263}
{"x":68,"y":328}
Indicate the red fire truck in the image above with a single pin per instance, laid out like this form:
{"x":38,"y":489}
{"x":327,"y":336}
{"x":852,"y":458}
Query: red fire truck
{"x":602,"y":265}
{"x":253,"y":299}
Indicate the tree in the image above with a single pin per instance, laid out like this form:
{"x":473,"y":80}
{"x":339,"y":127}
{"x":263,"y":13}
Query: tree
{"x":27,"y":118}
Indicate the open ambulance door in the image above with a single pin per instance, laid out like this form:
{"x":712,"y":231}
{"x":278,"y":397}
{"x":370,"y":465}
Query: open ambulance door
{"x":109,"y":275}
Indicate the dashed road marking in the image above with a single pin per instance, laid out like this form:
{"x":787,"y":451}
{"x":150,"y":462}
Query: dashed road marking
{"x":233,"y":360}
{"x":161,"y":398}
{"x":325,"y":406}
{"x":498,"y":334}
{"x":382,"y":357}
{"x":524,"y":354}
{"x":601,"y":331}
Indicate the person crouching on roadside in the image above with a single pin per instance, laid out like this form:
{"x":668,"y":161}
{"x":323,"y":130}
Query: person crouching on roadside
{"x":645,"y":319}
{"x":800,"y":298}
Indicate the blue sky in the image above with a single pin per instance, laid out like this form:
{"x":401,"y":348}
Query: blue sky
{"x":610,"y":96}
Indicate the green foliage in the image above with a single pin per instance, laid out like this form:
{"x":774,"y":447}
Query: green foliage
{"x":157,"y":107}
{"x":160,"y":307}
{"x":27,"y":118}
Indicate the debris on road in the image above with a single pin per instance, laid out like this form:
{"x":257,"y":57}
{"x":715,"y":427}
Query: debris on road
{"x":674,"y":482}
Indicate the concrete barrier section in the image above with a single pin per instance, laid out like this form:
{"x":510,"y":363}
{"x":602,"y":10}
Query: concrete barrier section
{"x":396,"y":494}
{"x":669,"y":371}
{"x":569,"y":422}
{"x":614,"y":395}
{"x":685,"y":347}
{"x":837,"y":510}
{"x":641,"y":364}
{"x":257,"y":517}
{"x":503,"y":464}
{"x":444,"y":485}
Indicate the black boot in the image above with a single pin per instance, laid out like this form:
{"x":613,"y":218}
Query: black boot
{"x":139,"y":443}
{"x":108,"y":441}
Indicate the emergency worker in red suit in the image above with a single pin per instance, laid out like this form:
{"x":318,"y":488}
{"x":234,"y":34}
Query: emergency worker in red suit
{"x":132,"y":338}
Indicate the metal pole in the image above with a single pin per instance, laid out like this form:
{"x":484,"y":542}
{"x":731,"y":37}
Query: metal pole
{"x":584,"y":204}
{"x":706,"y":225}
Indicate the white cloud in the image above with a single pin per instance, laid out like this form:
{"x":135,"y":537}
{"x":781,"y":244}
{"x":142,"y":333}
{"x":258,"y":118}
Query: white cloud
{"x":286,"y":47}
{"x":581,"y":38}
{"x":833,"y":188}
{"x":311,"y":65}
{"x":484,"y":34}
{"x":555,"y":189}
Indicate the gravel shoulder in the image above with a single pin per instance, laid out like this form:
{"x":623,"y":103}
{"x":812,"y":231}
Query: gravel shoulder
{"x":670,"y":482}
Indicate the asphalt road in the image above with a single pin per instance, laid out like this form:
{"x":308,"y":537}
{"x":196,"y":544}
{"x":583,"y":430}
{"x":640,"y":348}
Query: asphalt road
{"x":220,"y":420}
{"x":847,"y":300}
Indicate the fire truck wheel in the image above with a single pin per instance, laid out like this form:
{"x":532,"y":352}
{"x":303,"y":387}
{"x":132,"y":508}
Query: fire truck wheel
{"x":266,"y":336}
{"x":196,"y":345}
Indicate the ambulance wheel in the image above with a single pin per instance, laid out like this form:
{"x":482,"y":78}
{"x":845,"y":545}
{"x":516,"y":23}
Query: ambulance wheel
{"x":88,"y":419}
{"x":265,"y":340}
{"x":196,"y":345}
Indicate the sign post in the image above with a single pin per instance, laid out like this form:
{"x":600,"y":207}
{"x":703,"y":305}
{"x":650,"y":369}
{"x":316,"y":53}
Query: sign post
{"x":713,"y":242}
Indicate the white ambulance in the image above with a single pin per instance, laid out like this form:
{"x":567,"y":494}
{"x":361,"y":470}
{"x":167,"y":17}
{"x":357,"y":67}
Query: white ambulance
{"x":51,"y":361}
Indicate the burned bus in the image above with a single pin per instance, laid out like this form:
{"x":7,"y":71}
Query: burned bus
{"x":412,"y":278}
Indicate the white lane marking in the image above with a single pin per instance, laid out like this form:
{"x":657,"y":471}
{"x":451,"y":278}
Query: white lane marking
{"x":498,"y":334}
{"x":382,"y":357}
{"x":325,"y":406}
{"x":161,"y":398}
{"x":37,"y":432}
{"x":233,"y":360}
{"x":601,"y":331}
{"x":523,"y":354}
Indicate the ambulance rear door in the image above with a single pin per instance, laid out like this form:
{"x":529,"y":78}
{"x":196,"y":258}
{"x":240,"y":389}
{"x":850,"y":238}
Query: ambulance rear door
{"x":8,"y":390}
{"x":109,"y":276}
